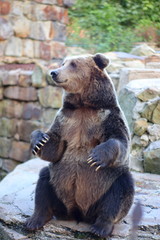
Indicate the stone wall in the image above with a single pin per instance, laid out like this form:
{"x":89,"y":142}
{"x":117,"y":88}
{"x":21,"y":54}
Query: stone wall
{"x":140,"y":101}
{"x":31,"y":33}
{"x":137,"y":81}
{"x":33,"y":29}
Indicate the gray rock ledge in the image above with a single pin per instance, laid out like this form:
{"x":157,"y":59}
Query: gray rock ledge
{"x":17,"y":203}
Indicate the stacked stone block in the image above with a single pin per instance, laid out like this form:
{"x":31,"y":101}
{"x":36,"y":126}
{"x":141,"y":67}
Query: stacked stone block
{"x":31,"y":33}
{"x":140,"y":100}
{"x":33,"y":29}
{"x":25,"y":105}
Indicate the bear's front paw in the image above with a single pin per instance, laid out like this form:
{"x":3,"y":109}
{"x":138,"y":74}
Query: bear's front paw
{"x":98,"y":157}
{"x":38,"y":140}
{"x":95,"y":161}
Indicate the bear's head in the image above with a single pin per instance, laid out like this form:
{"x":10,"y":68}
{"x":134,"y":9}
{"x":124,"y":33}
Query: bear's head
{"x":76,"y":73}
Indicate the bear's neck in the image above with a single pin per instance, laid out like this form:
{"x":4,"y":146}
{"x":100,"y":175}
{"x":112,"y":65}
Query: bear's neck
{"x":101,"y":96}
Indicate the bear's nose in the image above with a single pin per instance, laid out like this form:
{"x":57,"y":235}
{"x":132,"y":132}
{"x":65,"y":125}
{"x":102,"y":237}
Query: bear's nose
{"x":54,"y":74}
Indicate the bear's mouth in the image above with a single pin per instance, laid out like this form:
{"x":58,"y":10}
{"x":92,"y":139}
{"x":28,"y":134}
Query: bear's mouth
{"x":57,"y":81}
{"x":54,"y":74}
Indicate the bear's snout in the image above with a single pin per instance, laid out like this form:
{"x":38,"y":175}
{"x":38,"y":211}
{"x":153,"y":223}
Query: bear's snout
{"x":54,"y":74}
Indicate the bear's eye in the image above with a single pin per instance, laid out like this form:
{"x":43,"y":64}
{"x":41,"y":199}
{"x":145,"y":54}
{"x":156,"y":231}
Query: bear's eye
{"x":73,"y":64}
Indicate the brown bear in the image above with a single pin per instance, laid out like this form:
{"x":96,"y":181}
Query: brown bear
{"x":88,"y":146}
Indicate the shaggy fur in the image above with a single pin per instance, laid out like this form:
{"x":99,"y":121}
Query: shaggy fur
{"x":88,"y":144}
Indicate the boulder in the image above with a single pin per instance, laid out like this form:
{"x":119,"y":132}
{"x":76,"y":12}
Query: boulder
{"x":142,"y":50}
{"x":39,"y":76}
{"x":154,"y":132}
{"x":5,"y":146}
{"x":6,"y":30}
{"x":25,"y":128}
{"x":31,"y":111}
{"x":149,"y":93}
{"x":152,"y":158}
{"x":19,"y":151}
{"x":9,"y":164}
{"x":127,"y":99}
{"x":152,"y":76}
{"x":8,"y":127}
{"x":5,"y":7}
{"x":11,"y":78}
{"x":151,"y":111}
{"x":28,"y":48}
{"x":156,"y":113}
{"x":50,"y":97}
{"x":140,"y":126}
{"x":140,"y":101}
{"x":11,"y":108}
{"x":48,"y":115}
{"x":14,"y":47}
{"x":41,"y":30}
{"x":21,"y":93}
{"x":21,"y":26}
{"x":17,"y":192}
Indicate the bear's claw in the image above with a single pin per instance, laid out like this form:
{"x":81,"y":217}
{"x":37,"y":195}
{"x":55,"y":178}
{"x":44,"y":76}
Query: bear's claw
{"x":92,"y":163}
{"x":41,"y":143}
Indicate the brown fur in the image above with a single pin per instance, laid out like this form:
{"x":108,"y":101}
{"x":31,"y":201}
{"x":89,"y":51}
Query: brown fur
{"x":90,"y":124}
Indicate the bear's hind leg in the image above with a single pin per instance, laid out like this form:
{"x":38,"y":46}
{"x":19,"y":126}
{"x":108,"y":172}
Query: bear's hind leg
{"x":46,"y":203}
{"x":112,"y":206}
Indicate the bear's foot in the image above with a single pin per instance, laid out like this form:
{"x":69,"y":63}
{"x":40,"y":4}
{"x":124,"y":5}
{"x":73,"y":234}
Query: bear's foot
{"x":35,"y":222}
{"x":102,"y":229}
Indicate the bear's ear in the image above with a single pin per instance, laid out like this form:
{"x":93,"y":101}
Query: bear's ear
{"x":101,"y":60}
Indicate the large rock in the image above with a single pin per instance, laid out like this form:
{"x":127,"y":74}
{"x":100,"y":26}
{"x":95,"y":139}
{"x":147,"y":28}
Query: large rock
{"x":5,"y":146}
{"x":6,"y":30}
{"x":156,"y":113}
{"x":14,"y":47}
{"x":59,"y":32}
{"x":151,"y":110}
{"x":25,"y":128}
{"x":129,"y":74}
{"x":8,"y":165}
{"x":154,"y":132}
{"x":49,"y":50}
{"x":19,"y":151}
{"x":143,"y":115}
{"x":21,"y":26}
{"x":31,"y":111}
{"x":39,"y":76}
{"x":8,"y":127}
{"x":127,"y":99}
{"x":17,"y":203}
{"x":41,"y":30}
{"x":46,"y":13}
{"x":58,"y":50}
{"x":28,"y":48}
{"x":11,"y":108}
{"x":149,"y":93}
{"x":48,"y":116}
{"x":5,"y":7}
{"x":50,"y":97}
{"x":22,"y":180}
{"x":143,"y":50}
{"x":20,"y":93}
{"x":140,"y":126}
{"x":152,"y":158}
{"x":11,"y":78}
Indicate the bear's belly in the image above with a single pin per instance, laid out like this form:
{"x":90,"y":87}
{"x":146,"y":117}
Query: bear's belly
{"x":78,"y":184}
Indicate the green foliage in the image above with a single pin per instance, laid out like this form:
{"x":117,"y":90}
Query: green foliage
{"x":105,"y":25}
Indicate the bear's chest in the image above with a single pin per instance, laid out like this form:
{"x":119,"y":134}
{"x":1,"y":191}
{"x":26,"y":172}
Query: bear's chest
{"x":83,"y":127}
